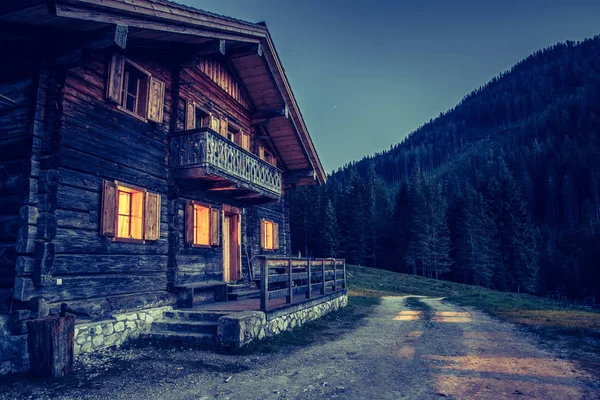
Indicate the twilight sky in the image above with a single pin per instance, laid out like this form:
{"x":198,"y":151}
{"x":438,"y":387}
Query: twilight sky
{"x":367,"y":73}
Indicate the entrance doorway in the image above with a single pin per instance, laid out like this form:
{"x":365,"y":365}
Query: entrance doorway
{"x":232,"y":253}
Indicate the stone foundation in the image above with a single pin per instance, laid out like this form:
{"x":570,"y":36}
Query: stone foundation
{"x":239,"y":329}
{"x":14,"y":356}
{"x":98,"y":335}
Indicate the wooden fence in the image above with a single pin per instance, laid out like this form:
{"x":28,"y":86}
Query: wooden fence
{"x":299,"y":278}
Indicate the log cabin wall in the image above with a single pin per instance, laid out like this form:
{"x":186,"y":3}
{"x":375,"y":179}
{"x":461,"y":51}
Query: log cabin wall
{"x":18,"y":82}
{"x":200,"y":88}
{"x":92,"y":273}
{"x":275,"y":212}
{"x":189,"y":264}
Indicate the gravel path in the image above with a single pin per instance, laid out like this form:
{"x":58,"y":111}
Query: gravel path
{"x":408,"y":348}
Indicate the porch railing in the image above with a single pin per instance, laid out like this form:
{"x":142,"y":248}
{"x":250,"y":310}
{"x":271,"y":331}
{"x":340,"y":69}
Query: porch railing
{"x":206,"y":148}
{"x":299,"y":278}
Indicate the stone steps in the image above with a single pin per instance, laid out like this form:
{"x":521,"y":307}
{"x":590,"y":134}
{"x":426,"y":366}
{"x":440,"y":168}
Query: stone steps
{"x":186,"y":326}
{"x":193,"y":315}
{"x":199,"y":339}
{"x":183,"y":326}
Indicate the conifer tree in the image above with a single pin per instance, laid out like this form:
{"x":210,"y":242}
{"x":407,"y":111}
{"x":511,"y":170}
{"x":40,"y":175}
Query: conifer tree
{"x":331,"y":231}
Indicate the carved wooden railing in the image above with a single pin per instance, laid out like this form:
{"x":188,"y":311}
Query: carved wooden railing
{"x":299,"y":277}
{"x":206,"y":148}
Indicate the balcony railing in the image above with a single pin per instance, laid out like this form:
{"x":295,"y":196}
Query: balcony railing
{"x":216,"y":155}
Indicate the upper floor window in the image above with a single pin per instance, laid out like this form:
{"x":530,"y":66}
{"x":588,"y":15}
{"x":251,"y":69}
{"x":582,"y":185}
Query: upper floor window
{"x":265,"y":155}
{"x":135,"y":90}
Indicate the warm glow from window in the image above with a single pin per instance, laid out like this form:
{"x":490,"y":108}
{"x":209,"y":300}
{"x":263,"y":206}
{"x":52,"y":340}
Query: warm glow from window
{"x":268,"y":235}
{"x":451,"y":316}
{"x":201,"y":225}
{"x":408,"y":316}
{"x":130,"y":216}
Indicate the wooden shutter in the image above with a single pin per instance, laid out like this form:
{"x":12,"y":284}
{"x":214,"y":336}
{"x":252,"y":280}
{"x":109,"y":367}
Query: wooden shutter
{"x":215,"y":226}
{"x":215,"y":123}
{"x":262,"y":233}
{"x":156,"y":100}
{"x":114,"y":85}
{"x":189,"y":222}
{"x":261,"y":152}
{"x":224,"y":128}
{"x":245,"y":141}
{"x":152,"y":216}
{"x":275,"y":236}
{"x":190,"y":115}
{"x":108,"y":222}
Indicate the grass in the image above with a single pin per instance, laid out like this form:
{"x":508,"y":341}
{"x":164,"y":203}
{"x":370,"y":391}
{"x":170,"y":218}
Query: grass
{"x":556,"y":322}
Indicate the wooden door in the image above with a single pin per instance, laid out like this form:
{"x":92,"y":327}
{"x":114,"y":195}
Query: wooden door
{"x":231,"y":248}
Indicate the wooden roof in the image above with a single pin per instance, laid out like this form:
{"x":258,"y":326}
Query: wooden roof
{"x":260,"y":71}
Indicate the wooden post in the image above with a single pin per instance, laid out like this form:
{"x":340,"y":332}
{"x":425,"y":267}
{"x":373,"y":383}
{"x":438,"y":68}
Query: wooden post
{"x":308,"y":293}
{"x":323,"y":277}
{"x":290,"y":282}
{"x":334,"y":275}
{"x":264,"y":284}
{"x":51,"y":345}
{"x":344,"y":274}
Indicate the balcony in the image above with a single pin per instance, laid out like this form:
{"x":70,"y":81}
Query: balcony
{"x":221,"y":165}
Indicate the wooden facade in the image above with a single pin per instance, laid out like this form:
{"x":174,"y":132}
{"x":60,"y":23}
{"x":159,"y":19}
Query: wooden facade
{"x":142,"y":147}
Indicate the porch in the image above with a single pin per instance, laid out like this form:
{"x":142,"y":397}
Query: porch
{"x":292,"y":292}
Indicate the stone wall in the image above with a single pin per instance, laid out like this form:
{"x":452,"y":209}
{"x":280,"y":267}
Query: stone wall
{"x":239,"y":329}
{"x":14,"y":356}
{"x":97,"y":335}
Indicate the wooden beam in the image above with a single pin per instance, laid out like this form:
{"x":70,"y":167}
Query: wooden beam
{"x":112,"y":36}
{"x":264,"y":117}
{"x":214,"y":47}
{"x":255,"y":49}
{"x":292,"y":178}
{"x":71,"y":52}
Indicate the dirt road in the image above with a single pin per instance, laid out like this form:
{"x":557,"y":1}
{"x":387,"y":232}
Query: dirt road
{"x":408,"y":348}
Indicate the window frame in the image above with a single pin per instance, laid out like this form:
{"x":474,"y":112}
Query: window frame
{"x":146,"y":80}
{"x":267,"y":228}
{"x":208,"y":207}
{"x":133,"y":188}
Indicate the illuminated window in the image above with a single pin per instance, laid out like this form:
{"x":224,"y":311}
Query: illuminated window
{"x":134,"y":94}
{"x":201,"y":225}
{"x":269,"y":235}
{"x":130,"y":206}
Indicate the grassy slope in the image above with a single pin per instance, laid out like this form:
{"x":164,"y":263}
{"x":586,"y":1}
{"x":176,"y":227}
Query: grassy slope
{"x":573,"y":329}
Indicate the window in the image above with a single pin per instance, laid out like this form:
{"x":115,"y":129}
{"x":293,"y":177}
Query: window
{"x":129,"y":213}
{"x":265,"y":155}
{"x":269,"y":235}
{"x":202,"y":118}
{"x":134,"y":90}
{"x":202,"y":225}
{"x":130,"y":206}
{"x":233,"y":134}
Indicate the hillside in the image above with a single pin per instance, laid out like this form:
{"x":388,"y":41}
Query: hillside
{"x":501,"y":191}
